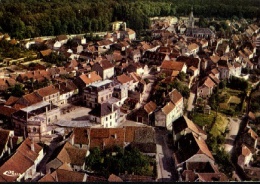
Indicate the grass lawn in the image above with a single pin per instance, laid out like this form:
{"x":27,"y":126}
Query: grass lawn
{"x":220,"y":125}
{"x":231,"y":99}
{"x":202,"y":119}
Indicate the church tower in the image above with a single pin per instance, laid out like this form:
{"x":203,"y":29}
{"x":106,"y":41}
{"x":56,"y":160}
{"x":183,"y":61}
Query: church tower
{"x":191,"y":19}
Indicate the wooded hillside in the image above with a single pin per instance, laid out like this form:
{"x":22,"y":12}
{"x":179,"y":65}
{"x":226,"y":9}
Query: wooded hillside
{"x":31,"y":18}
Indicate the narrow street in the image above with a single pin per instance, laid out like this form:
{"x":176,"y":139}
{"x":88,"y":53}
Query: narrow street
{"x":148,"y":90}
{"x":233,"y":126}
{"x":41,"y":168}
{"x":165,"y":164}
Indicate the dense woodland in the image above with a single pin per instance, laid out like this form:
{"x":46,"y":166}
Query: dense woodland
{"x":31,"y":18}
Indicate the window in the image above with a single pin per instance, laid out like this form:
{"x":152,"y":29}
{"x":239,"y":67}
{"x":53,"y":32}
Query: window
{"x":106,"y":118}
{"x":110,"y":123}
{"x":114,"y":136}
{"x":34,"y":129}
{"x":110,"y":116}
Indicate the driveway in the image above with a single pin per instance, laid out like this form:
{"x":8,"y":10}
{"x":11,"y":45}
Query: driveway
{"x":165,"y":164}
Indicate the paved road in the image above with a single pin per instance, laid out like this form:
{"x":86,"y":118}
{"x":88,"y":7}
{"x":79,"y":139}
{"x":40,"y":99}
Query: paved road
{"x":233,"y":126}
{"x":165,"y":164}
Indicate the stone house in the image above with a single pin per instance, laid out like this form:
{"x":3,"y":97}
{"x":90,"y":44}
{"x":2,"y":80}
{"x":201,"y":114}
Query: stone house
{"x":206,"y":89}
{"x":98,"y":92}
{"x":73,"y":156}
{"x":183,"y":126}
{"x":85,"y":80}
{"x":104,"y":68}
{"x":49,"y":94}
{"x":192,"y":148}
{"x":105,"y":114}
{"x":103,"y":46}
{"x":245,"y":156}
{"x":32,"y":121}
{"x":173,"y":109}
{"x":68,"y":92}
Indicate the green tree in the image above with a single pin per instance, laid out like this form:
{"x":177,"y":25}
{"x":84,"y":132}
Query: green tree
{"x":17,"y":90}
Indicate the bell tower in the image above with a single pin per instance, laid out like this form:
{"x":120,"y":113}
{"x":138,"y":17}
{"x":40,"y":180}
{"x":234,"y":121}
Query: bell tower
{"x":191,"y":19}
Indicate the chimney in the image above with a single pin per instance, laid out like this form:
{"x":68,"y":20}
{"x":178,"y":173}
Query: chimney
{"x":89,"y":75}
{"x":72,"y":139}
{"x":32,"y":144}
{"x":112,"y":107}
{"x":104,"y":144}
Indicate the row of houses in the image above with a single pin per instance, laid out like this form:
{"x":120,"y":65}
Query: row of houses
{"x":70,"y":159}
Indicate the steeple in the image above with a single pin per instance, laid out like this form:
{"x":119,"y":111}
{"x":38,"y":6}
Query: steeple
{"x":191,"y":18}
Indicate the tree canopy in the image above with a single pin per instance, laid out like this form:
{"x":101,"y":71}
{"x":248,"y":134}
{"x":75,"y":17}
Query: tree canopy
{"x":32,"y":18}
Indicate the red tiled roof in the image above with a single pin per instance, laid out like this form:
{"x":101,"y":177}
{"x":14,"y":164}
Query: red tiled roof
{"x":7,"y":111}
{"x":150,"y":107}
{"x":123,"y":78}
{"x":245,"y":150}
{"x":212,"y":177}
{"x":209,"y":83}
{"x":46,"y":52}
{"x":168,"y":108}
{"x":172,"y":65}
{"x":107,"y":138}
{"x":203,"y":147}
{"x":31,"y":98}
{"x":11,"y":100}
{"x":193,"y":46}
{"x":215,"y":58}
{"x":22,"y":160}
{"x":215,"y":71}
{"x":114,"y":178}
{"x":4,"y":137}
{"x":72,"y":155}
{"x":48,"y":178}
{"x":175,"y":96}
{"x":81,"y":135}
{"x":105,"y":64}
{"x":69,"y":176}
{"x":47,"y":91}
{"x":130,"y":133}
{"x":90,"y":78}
